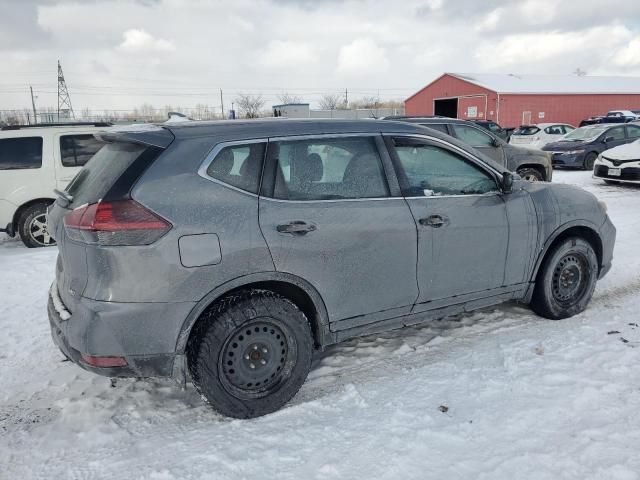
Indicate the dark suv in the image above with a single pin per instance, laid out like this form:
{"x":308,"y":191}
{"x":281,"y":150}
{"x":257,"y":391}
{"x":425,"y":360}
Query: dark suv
{"x":532,"y":165}
{"x":234,"y":250}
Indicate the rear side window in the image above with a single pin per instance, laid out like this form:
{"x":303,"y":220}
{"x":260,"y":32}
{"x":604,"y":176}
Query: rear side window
{"x":20,"y":153}
{"x":105,"y":168}
{"x":76,"y":150}
{"x":555,"y":130}
{"x":526,"y":131}
{"x":328,"y":168}
{"x":239,"y":166}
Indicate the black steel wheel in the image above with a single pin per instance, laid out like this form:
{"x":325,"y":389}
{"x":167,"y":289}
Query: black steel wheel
{"x":250,"y":353}
{"x":566,"y":279}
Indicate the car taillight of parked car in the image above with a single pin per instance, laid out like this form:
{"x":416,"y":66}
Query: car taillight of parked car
{"x":120,"y":222}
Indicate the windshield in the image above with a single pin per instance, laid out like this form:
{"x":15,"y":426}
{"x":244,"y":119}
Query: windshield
{"x":584,"y":133}
{"x":526,"y":131}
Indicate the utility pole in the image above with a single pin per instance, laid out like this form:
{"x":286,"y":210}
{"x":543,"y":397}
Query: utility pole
{"x":64,"y":101}
{"x":33,"y":104}
{"x":346,"y":98}
{"x":221,"y":104}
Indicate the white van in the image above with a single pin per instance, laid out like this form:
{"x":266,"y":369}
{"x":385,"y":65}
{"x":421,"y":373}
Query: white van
{"x":35,"y":160}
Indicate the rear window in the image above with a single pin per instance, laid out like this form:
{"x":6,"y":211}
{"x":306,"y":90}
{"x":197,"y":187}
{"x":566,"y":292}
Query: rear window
{"x":20,"y":153}
{"x":76,"y":150}
{"x":239,"y":166}
{"x":103,"y":169}
{"x":526,"y":131}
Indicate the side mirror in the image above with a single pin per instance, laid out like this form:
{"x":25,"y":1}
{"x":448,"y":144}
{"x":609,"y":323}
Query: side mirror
{"x":495,"y":142}
{"x":609,"y":139}
{"x":507,"y":182}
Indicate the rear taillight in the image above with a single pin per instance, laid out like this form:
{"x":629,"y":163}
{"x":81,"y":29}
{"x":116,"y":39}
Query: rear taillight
{"x":121,"y":222}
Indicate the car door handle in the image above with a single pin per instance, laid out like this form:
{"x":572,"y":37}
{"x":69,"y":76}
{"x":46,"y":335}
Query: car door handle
{"x":296,"y":227}
{"x":435,"y":221}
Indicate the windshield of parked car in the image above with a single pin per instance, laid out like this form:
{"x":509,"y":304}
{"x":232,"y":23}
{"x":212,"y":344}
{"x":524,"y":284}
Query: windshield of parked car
{"x":584,"y":133}
{"x":526,"y":130}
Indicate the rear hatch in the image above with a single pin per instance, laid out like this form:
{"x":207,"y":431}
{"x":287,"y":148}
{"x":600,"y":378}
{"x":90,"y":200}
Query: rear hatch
{"x":110,"y":173}
{"x":524,"y":135}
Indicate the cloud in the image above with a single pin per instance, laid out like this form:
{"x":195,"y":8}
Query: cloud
{"x":286,"y":54}
{"x":139,"y":41}
{"x":361,"y":57}
{"x":629,"y":55}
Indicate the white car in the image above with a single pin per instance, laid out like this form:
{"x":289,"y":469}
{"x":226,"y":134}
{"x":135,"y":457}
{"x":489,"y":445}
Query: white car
{"x":619,"y":164}
{"x":537,"y":136}
{"x":35,"y":160}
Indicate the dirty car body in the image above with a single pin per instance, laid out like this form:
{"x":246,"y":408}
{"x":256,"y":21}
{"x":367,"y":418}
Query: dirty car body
{"x":166,"y":222}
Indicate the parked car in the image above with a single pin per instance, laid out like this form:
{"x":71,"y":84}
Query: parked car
{"x":627,"y":115}
{"x":537,"y":136}
{"x":35,"y":160}
{"x":581,"y":147}
{"x":619,"y":164}
{"x":530,"y":164}
{"x":493,"y":127}
{"x":234,"y":250}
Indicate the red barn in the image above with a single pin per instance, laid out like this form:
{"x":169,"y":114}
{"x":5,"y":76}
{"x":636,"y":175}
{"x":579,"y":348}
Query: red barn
{"x":513,"y":100}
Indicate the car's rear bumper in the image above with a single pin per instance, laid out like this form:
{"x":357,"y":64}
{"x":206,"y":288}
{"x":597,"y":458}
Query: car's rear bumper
{"x":144,"y":334}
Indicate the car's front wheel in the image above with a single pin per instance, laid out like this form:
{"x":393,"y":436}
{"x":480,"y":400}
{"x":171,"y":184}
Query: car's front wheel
{"x":530,"y":174}
{"x":32,"y":226}
{"x":566,"y":279}
{"x":590,"y":160}
{"x":250,"y":353}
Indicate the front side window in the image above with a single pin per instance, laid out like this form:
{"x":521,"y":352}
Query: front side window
{"x":328,"y":169}
{"x":615,"y":133}
{"x":472,"y":136}
{"x":76,"y":150}
{"x":633,"y":131}
{"x":431,"y":170}
{"x":239,"y":166}
{"x":20,"y":153}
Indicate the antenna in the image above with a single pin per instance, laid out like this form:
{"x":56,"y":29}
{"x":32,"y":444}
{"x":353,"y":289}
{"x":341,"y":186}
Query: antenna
{"x":64,"y":101}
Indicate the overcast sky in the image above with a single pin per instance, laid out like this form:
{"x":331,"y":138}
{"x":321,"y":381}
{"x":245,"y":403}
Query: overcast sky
{"x":119,"y":54}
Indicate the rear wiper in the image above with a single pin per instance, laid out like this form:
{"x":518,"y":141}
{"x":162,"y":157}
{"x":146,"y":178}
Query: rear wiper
{"x":64,"y":196}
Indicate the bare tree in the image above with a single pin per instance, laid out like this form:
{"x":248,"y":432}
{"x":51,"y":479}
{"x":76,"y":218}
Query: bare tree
{"x":330,"y":101}
{"x":249,"y":105}
{"x":365,"y":102}
{"x":286,"y":97}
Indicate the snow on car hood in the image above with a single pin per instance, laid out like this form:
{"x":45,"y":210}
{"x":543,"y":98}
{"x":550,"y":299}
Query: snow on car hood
{"x":630,"y":151}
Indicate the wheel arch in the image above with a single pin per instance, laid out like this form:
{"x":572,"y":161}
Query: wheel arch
{"x":24,"y":206}
{"x":581,"y":229}
{"x":294,"y":288}
{"x":538,"y":167}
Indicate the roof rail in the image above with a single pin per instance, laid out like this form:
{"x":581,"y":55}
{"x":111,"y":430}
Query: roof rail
{"x":66,"y":124}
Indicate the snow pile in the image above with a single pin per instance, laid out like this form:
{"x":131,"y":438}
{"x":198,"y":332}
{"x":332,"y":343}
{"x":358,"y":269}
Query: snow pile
{"x":499,"y":394}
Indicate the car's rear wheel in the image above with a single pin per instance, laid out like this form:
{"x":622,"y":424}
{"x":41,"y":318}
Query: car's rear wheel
{"x":566,"y":279}
{"x":590,"y":160}
{"x":250,"y":353}
{"x":32,"y":226}
{"x":530,"y":174}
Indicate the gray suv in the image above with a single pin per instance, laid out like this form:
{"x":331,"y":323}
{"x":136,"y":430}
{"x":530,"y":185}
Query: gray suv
{"x":229,"y":252}
{"x":532,"y":165}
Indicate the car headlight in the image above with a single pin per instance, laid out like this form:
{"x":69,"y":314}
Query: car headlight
{"x":603,"y":206}
{"x":574,"y":152}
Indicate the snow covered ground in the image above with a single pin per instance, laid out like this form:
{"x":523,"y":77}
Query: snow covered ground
{"x":526,"y":398}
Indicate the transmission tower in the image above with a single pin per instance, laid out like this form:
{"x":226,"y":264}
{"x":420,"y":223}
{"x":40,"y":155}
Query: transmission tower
{"x":64,"y":101}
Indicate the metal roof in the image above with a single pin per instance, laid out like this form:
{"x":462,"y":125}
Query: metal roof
{"x":536,"y":84}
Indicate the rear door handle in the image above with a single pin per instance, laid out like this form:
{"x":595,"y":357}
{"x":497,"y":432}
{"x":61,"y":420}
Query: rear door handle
{"x":435,"y":221}
{"x":296,"y":227}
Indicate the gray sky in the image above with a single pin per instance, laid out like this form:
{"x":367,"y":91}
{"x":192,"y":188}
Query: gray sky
{"x":119,"y":54}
